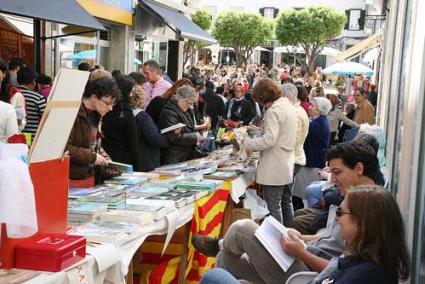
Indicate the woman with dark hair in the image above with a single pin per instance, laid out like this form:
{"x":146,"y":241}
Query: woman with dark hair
{"x":372,"y":226}
{"x":335,"y":116}
{"x":375,"y":245}
{"x":84,"y":141}
{"x":303,"y":97}
{"x":119,"y":127}
{"x":277,"y":146}
{"x":12,"y":95}
{"x":239,"y":108}
{"x":157,"y":104}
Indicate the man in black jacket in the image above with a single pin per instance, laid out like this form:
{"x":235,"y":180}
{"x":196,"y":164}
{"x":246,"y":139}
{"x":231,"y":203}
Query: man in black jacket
{"x":215,"y":105}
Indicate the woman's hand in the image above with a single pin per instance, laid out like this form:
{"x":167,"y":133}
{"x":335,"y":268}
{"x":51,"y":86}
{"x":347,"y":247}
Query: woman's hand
{"x":100,"y":160}
{"x":292,"y":245}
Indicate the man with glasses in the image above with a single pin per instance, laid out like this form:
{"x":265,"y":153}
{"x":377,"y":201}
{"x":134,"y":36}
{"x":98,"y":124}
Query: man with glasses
{"x":242,"y":254}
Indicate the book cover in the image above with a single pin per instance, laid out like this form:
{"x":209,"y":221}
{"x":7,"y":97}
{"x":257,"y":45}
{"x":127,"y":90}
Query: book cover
{"x":120,"y":167}
{"x":172,"y":127}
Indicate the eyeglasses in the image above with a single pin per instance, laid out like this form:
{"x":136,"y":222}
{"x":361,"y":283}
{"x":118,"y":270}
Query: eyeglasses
{"x":339,"y":212}
{"x":108,"y":104}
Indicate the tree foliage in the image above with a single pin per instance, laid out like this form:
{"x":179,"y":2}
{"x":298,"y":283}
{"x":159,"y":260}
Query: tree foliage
{"x":242,"y":31}
{"x":203,"y":19}
{"x":310,"y":28}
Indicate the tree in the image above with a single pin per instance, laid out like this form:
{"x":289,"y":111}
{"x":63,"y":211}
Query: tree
{"x":203,"y":19}
{"x":242,"y":31}
{"x":310,"y":28}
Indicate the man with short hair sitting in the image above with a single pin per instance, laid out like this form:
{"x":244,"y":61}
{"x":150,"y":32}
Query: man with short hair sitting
{"x":242,"y":254}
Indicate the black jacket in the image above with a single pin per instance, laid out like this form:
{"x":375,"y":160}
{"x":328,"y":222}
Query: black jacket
{"x":150,"y":141}
{"x":241,"y":110}
{"x":215,"y":108}
{"x":155,"y":107}
{"x":120,"y":136}
{"x":181,"y":145}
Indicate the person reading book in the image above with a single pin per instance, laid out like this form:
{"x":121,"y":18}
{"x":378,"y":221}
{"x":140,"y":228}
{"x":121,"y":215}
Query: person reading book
{"x":243,"y":255}
{"x":368,"y":215}
{"x":84,"y":141}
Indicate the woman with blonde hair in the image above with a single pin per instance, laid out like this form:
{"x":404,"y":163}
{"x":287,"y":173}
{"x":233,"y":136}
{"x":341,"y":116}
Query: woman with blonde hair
{"x":157,"y":104}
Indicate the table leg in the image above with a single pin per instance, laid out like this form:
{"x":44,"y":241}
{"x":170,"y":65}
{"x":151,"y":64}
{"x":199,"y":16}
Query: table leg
{"x":183,"y":257}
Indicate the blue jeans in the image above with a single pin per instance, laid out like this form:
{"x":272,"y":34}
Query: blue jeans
{"x":314,"y":193}
{"x":218,"y":276}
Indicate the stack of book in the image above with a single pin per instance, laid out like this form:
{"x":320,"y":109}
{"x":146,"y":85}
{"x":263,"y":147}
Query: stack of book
{"x":112,"y":198}
{"x":76,"y":193}
{"x":104,"y":231}
{"x":179,"y":197}
{"x":222,"y":175}
{"x":149,"y":176}
{"x":145,"y":191}
{"x":205,"y":185}
{"x":83,"y":212}
{"x":140,"y":218}
{"x":127,"y":180}
{"x":158,"y":208}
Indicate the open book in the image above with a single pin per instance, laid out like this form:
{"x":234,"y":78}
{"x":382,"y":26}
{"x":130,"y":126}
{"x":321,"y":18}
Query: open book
{"x":172,"y":127}
{"x":269,"y":234}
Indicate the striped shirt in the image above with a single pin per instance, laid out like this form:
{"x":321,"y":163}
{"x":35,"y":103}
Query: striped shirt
{"x":35,"y":104}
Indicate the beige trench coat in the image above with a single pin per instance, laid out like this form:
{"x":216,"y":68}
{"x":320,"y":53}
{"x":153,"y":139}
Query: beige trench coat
{"x":277,"y":144}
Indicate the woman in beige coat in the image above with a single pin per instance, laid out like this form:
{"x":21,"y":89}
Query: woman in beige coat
{"x":277,"y":145}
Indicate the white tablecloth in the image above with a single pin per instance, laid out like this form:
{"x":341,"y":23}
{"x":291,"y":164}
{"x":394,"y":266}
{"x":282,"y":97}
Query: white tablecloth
{"x":108,"y":263}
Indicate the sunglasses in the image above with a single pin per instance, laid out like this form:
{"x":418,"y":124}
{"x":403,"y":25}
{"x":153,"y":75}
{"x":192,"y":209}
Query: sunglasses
{"x":339,"y":212}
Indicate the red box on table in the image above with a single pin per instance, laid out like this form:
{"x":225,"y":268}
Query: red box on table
{"x":50,"y":252}
{"x":50,"y":179}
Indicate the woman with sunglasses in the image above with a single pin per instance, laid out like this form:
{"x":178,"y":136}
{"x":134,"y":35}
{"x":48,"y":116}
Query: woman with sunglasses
{"x":375,"y":250}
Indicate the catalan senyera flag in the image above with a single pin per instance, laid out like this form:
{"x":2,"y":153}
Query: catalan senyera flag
{"x":207,"y":220}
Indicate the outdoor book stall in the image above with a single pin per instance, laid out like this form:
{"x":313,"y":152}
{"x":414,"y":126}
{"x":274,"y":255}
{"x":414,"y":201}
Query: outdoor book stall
{"x":105,"y":233}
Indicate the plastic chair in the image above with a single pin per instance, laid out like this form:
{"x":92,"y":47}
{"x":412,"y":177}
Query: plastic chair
{"x":301,"y":277}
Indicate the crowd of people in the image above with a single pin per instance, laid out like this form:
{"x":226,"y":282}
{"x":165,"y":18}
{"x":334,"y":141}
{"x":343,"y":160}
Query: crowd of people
{"x":318,"y":174}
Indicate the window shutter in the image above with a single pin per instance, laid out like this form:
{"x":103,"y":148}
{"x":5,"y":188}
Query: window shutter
{"x":276,"y":12}
{"x":362,"y":19}
{"x":347,"y":24}
{"x":262,"y":11}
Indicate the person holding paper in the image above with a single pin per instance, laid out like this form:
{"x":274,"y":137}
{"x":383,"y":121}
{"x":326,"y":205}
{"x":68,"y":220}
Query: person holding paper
{"x":182,"y":144}
{"x":277,"y":148}
{"x":368,"y":216}
{"x":242,"y":254}
{"x":83,"y":143}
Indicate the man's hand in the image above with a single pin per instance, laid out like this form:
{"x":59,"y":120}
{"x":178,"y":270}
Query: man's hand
{"x":294,"y":233}
{"x":100,"y":160}
{"x":293,"y":246}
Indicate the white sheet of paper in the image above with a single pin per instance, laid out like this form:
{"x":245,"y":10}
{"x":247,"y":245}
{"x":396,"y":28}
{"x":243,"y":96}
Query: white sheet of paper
{"x":106,"y":255}
{"x":269,"y":234}
{"x":172,"y":222}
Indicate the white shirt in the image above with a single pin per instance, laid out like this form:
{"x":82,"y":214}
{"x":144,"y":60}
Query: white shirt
{"x":8,"y":121}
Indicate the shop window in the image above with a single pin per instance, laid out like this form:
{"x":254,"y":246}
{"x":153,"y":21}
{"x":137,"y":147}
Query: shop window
{"x":73,"y":52}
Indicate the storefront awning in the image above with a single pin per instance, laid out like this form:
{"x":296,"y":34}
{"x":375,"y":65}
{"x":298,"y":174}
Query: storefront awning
{"x":362,"y":46}
{"x":59,"y":11}
{"x":178,"y":22}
